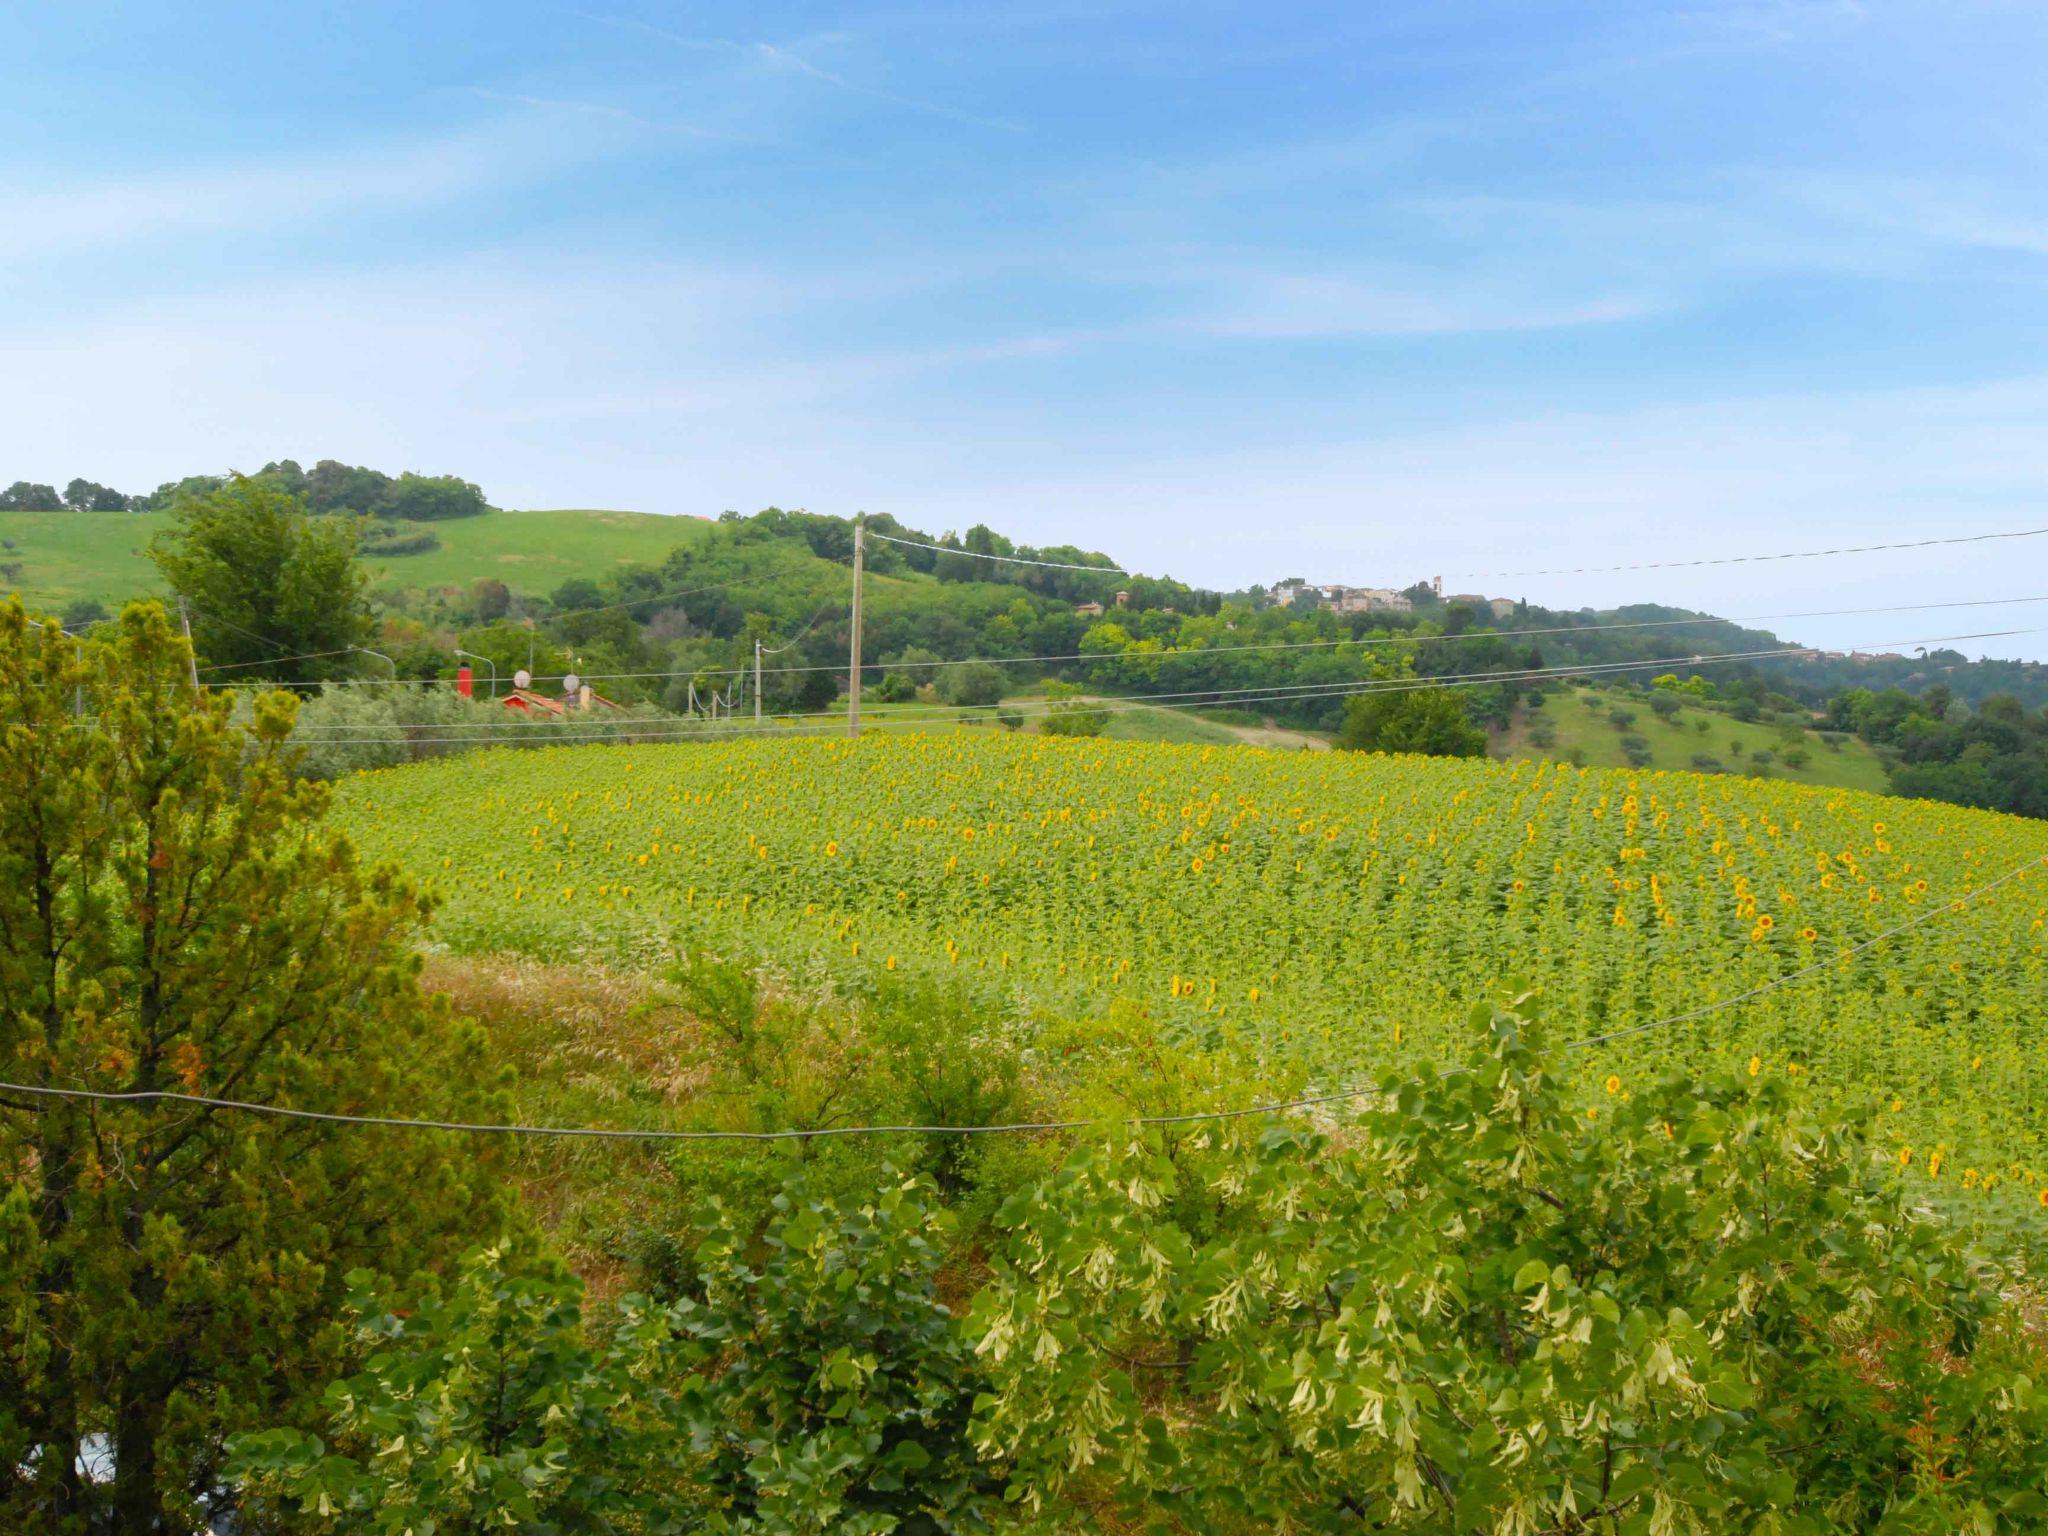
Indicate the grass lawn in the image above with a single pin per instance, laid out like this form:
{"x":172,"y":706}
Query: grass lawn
{"x":1581,"y":718}
{"x":104,"y":555}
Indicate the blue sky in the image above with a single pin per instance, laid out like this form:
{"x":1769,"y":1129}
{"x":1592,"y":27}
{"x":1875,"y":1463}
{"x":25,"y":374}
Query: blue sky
{"x":1357,"y":292}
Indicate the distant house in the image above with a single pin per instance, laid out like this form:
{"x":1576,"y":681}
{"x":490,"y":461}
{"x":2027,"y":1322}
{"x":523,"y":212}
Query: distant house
{"x":1123,"y":599}
{"x":1469,"y":599}
{"x":1285,"y":592}
{"x":1366,"y":600}
{"x":527,"y":702}
{"x":1503,"y":607}
{"x":1088,"y":610}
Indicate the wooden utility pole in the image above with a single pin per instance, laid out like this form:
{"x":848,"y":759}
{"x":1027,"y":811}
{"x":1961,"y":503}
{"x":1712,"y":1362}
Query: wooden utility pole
{"x":853,"y":666}
{"x":757,"y":682}
{"x":191,"y":656}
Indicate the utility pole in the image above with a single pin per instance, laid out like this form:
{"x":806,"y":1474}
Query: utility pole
{"x":853,"y":668}
{"x":191,"y":656}
{"x":757,"y":681}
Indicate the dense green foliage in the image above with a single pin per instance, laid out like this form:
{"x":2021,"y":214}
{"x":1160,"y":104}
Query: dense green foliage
{"x":1474,"y":1309}
{"x":1995,"y":756}
{"x":1465,"y":1307}
{"x":1431,"y":722}
{"x":267,"y":587}
{"x":26,"y":496}
{"x":175,"y":916}
{"x":809,"y":1383}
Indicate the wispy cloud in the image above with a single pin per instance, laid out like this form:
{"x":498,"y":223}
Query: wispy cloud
{"x":1286,"y":305}
{"x":291,"y":190}
{"x":782,"y":59}
{"x":605,"y":110}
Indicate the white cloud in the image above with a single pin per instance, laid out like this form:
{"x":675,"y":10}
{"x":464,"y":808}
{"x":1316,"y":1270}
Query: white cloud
{"x":295,"y":190}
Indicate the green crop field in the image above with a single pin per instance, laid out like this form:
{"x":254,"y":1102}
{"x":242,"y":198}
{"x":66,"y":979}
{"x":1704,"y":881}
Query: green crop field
{"x":64,"y":556}
{"x":1325,"y":916}
{"x":1582,"y":719}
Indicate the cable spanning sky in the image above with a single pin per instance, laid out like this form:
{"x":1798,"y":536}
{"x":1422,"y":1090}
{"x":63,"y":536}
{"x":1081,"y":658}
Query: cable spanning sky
{"x":1356,"y":293}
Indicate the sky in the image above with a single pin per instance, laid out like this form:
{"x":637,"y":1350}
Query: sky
{"x":1361,"y":293}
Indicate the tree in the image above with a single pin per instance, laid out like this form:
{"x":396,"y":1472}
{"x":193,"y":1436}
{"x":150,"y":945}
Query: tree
{"x":336,"y":487}
{"x":26,"y":496}
{"x":975,"y":683}
{"x":491,"y":598}
{"x":1430,"y":721}
{"x":266,"y":583}
{"x":431,"y":498}
{"x":174,"y":917}
{"x":83,"y":495}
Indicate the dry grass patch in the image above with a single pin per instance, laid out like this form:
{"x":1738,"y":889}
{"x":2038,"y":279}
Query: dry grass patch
{"x":584,"y":1050}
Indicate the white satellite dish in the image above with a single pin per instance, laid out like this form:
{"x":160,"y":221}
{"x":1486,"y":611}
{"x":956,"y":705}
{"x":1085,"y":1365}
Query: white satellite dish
{"x":522,"y":678}
{"x":571,"y":683}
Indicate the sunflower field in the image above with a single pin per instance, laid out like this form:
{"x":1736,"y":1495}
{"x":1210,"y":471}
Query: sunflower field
{"x":1325,"y":916}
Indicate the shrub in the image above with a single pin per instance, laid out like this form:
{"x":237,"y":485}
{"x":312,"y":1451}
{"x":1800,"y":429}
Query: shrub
{"x":1069,"y":716}
{"x":1706,"y":762}
{"x":1621,"y":719}
{"x":810,"y":1381}
{"x":1487,"y":1307}
{"x":894,"y":688}
{"x":975,"y":683}
{"x":397,"y":541}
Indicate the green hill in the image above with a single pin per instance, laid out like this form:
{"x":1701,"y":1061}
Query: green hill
{"x":58,"y":557}
{"x":1579,"y":725}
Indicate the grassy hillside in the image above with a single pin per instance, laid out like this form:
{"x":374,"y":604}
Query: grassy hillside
{"x":1325,"y":915}
{"x":68,"y":555}
{"x":1582,"y":720}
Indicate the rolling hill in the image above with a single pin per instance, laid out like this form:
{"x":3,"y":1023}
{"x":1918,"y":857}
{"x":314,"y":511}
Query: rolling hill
{"x":66,"y":556}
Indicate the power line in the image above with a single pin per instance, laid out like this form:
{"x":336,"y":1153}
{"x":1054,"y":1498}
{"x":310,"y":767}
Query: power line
{"x":246,"y":633}
{"x":1015,"y":1127}
{"x":1797,"y":554}
{"x":975,"y":554}
{"x":1225,"y":697}
{"x":1214,"y":652}
{"x":271,"y":661}
{"x":1202,"y":698}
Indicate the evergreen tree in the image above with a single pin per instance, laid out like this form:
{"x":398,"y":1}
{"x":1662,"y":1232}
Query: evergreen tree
{"x":175,"y":918}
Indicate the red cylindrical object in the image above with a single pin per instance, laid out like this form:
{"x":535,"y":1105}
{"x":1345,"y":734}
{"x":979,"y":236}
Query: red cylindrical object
{"x":462,"y":676}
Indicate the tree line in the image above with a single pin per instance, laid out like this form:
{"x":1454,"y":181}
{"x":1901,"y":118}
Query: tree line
{"x":328,"y":487}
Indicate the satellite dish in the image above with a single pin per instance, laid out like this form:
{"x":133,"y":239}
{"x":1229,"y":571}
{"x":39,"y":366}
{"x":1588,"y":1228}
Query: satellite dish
{"x":571,"y":683}
{"x":522,"y":678}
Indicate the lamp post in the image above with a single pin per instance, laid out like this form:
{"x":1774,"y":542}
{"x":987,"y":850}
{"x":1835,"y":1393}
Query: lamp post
{"x":366,"y":651}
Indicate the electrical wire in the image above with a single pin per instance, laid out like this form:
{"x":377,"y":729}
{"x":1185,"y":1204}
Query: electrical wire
{"x":1216,"y":651}
{"x":973,"y":554}
{"x":821,"y":1133}
{"x":1797,"y":554}
{"x":1207,"y":698}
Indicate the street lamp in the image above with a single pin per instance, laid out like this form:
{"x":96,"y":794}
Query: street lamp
{"x":366,"y":651}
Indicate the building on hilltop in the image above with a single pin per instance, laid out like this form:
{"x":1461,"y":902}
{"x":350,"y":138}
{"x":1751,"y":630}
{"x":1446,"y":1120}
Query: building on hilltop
{"x":1367,"y":600}
{"x":1089,"y":610}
